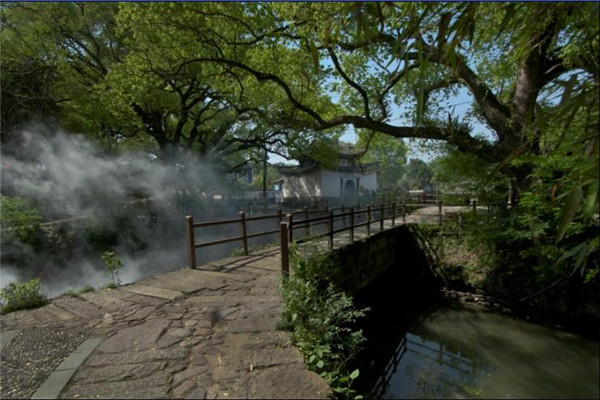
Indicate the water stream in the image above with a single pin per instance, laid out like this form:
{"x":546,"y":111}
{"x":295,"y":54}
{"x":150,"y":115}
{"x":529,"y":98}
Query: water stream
{"x":446,"y":350}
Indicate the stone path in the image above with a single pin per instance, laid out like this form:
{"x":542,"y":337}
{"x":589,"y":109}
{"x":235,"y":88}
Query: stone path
{"x":205,"y":333}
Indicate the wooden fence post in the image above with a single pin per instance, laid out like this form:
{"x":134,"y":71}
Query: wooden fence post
{"x":352,"y":224}
{"x":394,"y":214}
{"x":343,"y":216}
{"x":330,"y":226}
{"x":290,"y":228}
{"x":475,"y":205}
{"x":283,"y":242}
{"x":403,"y":212}
{"x":440,"y":211}
{"x":280,"y":214}
{"x":381,"y":211}
{"x":306,"y":227}
{"x":369,"y":220}
{"x":191,"y":242}
{"x":244,"y":232}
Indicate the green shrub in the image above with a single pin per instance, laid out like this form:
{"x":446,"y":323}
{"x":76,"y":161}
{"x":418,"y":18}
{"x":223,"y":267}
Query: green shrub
{"x":321,"y":318}
{"x":22,"y":295}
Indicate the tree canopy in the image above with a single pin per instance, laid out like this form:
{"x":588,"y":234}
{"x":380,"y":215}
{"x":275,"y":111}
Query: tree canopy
{"x":219,"y":78}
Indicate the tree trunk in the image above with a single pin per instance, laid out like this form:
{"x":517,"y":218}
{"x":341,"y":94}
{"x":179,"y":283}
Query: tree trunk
{"x":264,"y":188}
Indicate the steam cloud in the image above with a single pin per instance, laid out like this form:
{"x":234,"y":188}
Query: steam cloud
{"x":66,"y":176}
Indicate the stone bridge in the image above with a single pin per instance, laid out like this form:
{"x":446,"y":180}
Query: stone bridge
{"x":209,"y":332}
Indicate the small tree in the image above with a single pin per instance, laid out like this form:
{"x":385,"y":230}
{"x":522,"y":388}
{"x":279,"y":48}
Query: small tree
{"x":113,"y":265}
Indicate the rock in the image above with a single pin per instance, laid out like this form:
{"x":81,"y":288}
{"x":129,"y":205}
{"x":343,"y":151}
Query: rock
{"x":167,"y":340}
{"x":135,"y":338}
{"x":114,"y":373}
{"x":263,"y":358}
{"x":179,"y":332}
{"x":190,"y":323}
{"x":182,"y":390}
{"x":198,"y":393}
{"x":289,"y":384}
{"x":137,"y":357}
{"x":142,"y":313}
{"x":189,"y":373}
{"x":251,"y":325}
{"x":153,"y":387}
{"x":221,"y":375}
{"x":198,"y":357}
{"x":203,"y":332}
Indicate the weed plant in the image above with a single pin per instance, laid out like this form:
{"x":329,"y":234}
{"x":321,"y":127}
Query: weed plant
{"x":321,"y":318}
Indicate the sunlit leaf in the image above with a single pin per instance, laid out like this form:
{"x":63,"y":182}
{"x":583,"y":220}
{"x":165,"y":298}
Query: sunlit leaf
{"x":569,"y":211}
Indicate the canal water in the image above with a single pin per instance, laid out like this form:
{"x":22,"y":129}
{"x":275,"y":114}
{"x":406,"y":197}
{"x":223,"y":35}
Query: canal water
{"x":439,"y":349}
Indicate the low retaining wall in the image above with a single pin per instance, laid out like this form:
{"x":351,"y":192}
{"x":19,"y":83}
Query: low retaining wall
{"x":362,"y":262}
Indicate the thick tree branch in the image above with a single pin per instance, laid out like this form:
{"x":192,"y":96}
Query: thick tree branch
{"x":350,"y":82}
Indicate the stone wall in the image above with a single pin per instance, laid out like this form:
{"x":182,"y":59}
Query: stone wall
{"x":361,"y":263}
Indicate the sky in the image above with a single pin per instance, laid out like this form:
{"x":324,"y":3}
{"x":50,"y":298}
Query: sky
{"x":458,"y":105}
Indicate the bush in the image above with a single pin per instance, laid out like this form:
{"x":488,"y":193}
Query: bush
{"x":22,"y":295}
{"x":321,"y":318}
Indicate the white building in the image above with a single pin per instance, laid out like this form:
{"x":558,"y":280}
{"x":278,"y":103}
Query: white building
{"x":348,"y":182}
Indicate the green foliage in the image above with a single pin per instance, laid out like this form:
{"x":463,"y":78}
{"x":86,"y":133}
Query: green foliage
{"x":272,"y":175}
{"x":390,"y":155}
{"x":417,"y":176}
{"x":21,"y":235}
{"x":19,"y":220}
{"x":239,"y":251}
{"x":464,"y":173}
{"x":321,"y":319}
{"x":113,"y":266}
{"x":22,"y":295}
{"x":77,"y":292}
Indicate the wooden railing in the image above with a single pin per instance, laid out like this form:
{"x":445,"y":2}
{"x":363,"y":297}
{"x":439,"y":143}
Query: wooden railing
{"x":242,"y":220}
{"x":351,"y":218}
{"x":349,"y":221}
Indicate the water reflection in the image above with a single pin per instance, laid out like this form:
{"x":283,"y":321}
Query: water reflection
{"x":453,"y":352}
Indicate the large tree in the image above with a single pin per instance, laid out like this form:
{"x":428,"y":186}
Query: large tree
{"x":103,"y":70}
{"x":375,"y":55}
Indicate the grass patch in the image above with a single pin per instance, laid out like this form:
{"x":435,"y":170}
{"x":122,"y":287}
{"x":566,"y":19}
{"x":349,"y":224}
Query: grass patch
{"x":79,"y":291}
{"x":239,"y":251}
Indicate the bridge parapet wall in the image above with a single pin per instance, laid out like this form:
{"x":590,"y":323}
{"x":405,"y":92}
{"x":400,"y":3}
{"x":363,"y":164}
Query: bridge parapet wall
{"x":358,"y":264}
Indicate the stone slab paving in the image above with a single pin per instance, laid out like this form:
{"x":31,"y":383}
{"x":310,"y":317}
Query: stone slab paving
{"x":205,"y":333}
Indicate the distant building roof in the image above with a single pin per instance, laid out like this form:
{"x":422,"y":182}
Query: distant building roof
{"x":296,"y":169}
{"x":348,"y":150}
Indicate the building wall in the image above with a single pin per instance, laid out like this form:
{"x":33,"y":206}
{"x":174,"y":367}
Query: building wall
{"x":332,"y":187}
{"x":303,"y":186}
{"x":327,"y":184}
